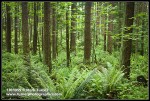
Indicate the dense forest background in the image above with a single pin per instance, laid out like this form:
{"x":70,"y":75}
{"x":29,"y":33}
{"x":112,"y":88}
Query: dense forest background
{"x":79,"y":50}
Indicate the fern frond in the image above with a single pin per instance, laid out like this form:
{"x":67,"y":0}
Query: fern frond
{"x":82,"y":85}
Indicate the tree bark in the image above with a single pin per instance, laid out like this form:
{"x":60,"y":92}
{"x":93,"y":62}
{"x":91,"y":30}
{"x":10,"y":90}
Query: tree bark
{"x":25,"y":37}
{"x":137,"y":10}
{"x":104,"y":17}
{"x":47,"y":37}
{"x":25,"y":29}
{"x":143,"y":23}
{"x":35,"y":29}
{"x":127,"y":43}
{"x":8,"y":34}
{"x":16,"y":31}
{"x":110,"y":29}
{"x":73,"y":26}
{"x":87,"y":33}
{"x":67,"y":37}
{"x":98,"y":23}
{"x":54,"y":32}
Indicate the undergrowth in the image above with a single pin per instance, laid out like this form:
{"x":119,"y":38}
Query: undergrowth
{"x":97,"y":81}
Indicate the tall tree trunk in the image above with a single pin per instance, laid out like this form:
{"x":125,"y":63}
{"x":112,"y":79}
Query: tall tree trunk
{"x":104,"y":30}
{"x":8,"y":34}
{"x":31,"y":29}
{"x":137,"y":21}
{"x":67,"y":37}
{"x":119,"y":25}
{"x":104,"y":41}
{"x":42,"y":38}
{"x":39,"y":48}
{"x":16,"y":31}
{"x":19,"y":28}
{"x":110,"y":29}
{"x":97,"y":22}
{"x":35,"y":29}
{"x":25,"y":37}
{"x":87,"y":33}
{"x":47,"y":37}
{"x":127,"y":43}
{"x":54,"y":32}
{"x":57,"y":30}
{"x":73,"y":26}
{"x":143,"y":6}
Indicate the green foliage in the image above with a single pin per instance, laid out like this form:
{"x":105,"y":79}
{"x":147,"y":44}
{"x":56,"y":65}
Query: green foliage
{"x":14,"y":75}
{"x":67,"y":82}
{"x":79,"y":81}
{"x":104,"y":57}
{"x":75,"y":82}
{"x":129,"y":90}
{"x":139,"y":65}
{"x":103,"y":81}
{"x":79,"y":89}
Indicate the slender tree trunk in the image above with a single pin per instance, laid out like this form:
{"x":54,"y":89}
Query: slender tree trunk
{"x":31,"y":29}
{"x":127,"y":43}
{"x":42,"y":38}
{"x":39,"y":49}
{"x":97,"y":23}
{"x":119,"y":25}
{"x":67,"y":38}
{"x":54,"y":32}
{"x":137,"y":22}
{"x":19,"y":28}
{"x":25,"y":36}
{"x":104,"y":31}
{"x":110,"y":29}
{"x":16,"y":31}
{"x":87,"y":33}
{"x":8,"y":34}
{"x":57,"y":32}
{"x":61,"y":36}
{"x":47,"y":37}
{"x":35,"y":29}
{"x":143,"y":6}
{"x":73,"y":26}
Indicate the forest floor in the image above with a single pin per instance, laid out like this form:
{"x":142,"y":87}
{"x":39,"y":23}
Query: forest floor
{"x":103,"y":80}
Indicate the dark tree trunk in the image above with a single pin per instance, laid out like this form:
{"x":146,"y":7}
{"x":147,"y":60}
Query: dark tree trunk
{"x":137,"y":21}
{"x":87,"y":33}
{"x":104,"y":31}
{"x":25,"y":37}
{"x":127,"y":43}
{"x":35,"y":29}
{"x":42,"y":38}
{"x":31,"y":29}
{"x":54,"y":32}
{"x":105,"y":39}
{"x":110,"y":29}
{"x":119,"y":25}
{"x":47,"y":37}
{"x":97,"y":23}
{"x":57,"y":30}
{"x":143,"y":23}
{"x":16,"y":31}
{"x":67,"y":37}
{"x":73,"y":26}
{"x":8,"y":33}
